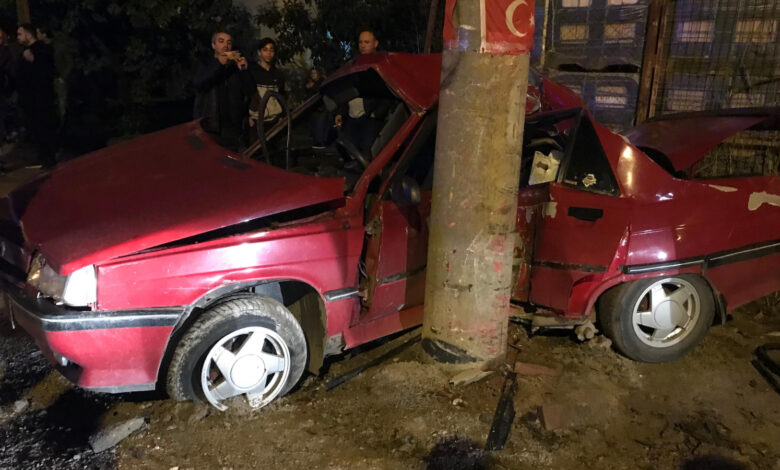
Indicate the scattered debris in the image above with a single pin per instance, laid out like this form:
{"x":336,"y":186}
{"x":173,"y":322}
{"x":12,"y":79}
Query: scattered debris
{"x":773,"y":333}
{"x":505,"y":411}
{"x":340,"y":380}
{"x":586,"y":331}
{"x":20,"y":406}
{"x":600,"y":342}
{"x":469,"y":376}
{"x":534,"y":370}
{"x":109,"y":437}
{"x":767,"y":366}
{"x":459,"y":402}
{"x":553,"y":416}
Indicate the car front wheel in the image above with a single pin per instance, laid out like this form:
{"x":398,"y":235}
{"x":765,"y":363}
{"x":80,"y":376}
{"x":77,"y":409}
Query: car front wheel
{"x":657,"y":320}
{"x":251,"y":347}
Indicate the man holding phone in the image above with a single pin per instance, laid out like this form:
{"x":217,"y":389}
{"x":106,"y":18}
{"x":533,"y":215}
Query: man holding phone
{"x":223,"y":87}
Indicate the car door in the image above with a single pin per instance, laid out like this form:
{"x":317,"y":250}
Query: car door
{"x":396,"y":246}
{"x":582,"y":220}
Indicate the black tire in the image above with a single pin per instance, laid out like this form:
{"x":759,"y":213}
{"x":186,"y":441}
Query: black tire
{"x":183,"y":381}
{"x":616,"y":309}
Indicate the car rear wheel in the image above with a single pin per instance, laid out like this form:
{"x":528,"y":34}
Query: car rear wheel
{"x":657,"y":320}
{"x":247,"y":347}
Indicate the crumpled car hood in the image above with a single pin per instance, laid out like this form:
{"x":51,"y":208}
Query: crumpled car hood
{"x":686,"y":139}
{"x":153,"y":190}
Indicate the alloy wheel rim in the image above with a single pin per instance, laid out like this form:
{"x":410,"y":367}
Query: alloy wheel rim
{"x":666,"y":312}
{"x":252,"y":361}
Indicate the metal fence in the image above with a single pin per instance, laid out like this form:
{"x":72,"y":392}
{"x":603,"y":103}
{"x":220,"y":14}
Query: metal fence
{"x":719,"y":54}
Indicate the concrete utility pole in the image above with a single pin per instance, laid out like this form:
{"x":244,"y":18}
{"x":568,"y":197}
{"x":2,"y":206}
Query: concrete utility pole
{"x":478,"y":149}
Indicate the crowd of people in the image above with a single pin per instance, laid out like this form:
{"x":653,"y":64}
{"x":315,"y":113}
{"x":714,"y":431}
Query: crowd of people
{"x":237,"y":97}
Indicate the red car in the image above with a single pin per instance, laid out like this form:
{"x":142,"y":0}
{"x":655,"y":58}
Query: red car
{"x":170,"y":261}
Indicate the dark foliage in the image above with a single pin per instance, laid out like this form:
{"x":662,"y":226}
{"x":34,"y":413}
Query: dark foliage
{"x":126,"y":66}
{"x":122,"y":63}
{"x":329,"y":28}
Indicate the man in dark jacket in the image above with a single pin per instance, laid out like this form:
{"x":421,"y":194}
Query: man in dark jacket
{"x":363,"y":118}
{"x":223,"y":89}
{"x":35,"y":87}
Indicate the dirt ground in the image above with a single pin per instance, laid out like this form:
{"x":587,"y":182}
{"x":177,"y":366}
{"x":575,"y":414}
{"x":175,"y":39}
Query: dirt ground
{"x":710,"y":408}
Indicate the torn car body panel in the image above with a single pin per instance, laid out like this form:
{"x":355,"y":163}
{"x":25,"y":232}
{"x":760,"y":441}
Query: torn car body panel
{"x":686,"y":138}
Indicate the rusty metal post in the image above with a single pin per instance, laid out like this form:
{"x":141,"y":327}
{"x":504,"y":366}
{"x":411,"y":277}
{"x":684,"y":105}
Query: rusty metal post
{"x":476,"y":176}
{"x":652,"y":60}
{"x":23,"y":11}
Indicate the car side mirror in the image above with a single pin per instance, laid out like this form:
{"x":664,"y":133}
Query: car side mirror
{"x":405,"y":192}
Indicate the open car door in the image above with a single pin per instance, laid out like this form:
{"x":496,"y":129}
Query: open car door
{"x":396,"y":245}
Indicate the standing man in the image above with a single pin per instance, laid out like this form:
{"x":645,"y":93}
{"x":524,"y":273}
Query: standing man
{"x":267,"y":78}
{"x":364,"y":117}
{"x":223,"y":88}
{"x":35,"y":86}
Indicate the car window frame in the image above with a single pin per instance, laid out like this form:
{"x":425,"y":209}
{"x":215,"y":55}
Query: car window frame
{"x":578,"y":115}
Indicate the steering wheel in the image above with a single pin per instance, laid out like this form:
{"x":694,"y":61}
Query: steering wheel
{"x":353,"y":152}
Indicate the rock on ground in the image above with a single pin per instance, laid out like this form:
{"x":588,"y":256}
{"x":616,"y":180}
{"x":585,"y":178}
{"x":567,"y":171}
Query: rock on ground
{"x":113,"y":435}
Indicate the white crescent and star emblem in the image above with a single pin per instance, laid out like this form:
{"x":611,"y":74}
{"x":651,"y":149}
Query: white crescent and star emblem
{"x":510,"y":15}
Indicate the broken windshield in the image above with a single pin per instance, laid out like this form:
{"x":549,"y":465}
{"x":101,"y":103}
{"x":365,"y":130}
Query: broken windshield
{"x":336,"y":133}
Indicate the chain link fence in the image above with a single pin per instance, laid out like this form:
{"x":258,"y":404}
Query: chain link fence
{"x":723,"y":54}
{"x":719,"y":54}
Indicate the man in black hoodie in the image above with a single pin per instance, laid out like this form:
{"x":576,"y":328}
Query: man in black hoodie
{"x":267,"y":78}
{"x":35,"y":86}
{"x":223,"y":89}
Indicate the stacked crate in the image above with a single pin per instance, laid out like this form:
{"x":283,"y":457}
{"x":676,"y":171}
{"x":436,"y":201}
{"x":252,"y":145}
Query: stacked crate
{"x":595,"y":34}
{"x":611,"y":97}
{"x":595,"y":47}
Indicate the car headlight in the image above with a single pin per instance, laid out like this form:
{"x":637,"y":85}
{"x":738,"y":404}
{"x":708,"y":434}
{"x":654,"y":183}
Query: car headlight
{"x":79,"y":289}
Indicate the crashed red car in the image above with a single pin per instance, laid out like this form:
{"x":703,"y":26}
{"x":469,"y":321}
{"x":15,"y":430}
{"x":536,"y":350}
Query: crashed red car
{"x":170,"y":262}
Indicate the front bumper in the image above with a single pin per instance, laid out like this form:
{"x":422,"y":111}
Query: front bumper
{"x":109,"y":351}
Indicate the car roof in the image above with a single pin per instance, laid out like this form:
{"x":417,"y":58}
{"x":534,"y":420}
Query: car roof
{"x":413,"y":77}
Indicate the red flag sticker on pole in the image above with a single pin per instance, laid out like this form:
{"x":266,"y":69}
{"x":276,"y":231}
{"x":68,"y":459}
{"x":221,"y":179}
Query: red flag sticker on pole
{"x":507,"y":26}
